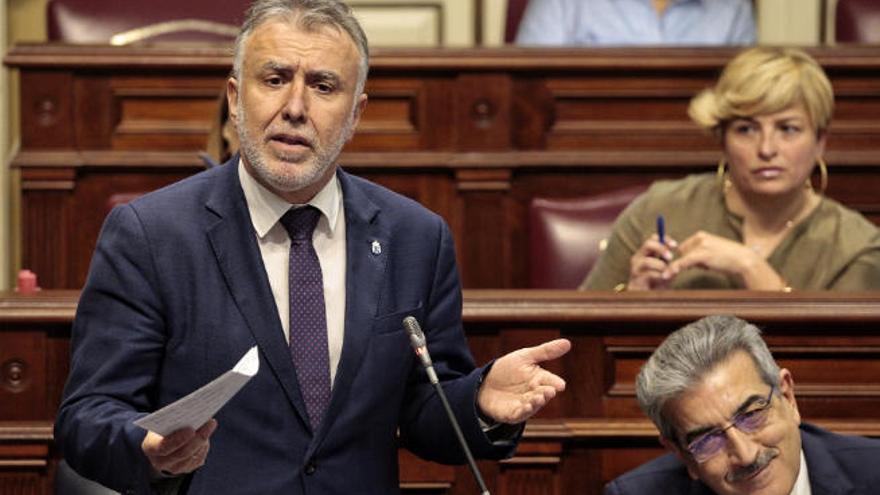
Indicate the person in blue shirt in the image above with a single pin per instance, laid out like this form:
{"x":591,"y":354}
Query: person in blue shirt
{"x":637,"y":22}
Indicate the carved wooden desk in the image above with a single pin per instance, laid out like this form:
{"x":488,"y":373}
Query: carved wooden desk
{"x":587,"y":436}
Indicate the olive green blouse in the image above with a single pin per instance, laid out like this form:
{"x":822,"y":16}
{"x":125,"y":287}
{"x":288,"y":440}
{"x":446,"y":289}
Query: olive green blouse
{"x":832,"y":248}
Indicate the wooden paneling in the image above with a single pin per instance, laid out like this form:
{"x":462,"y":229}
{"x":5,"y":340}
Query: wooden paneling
{"x":472,"y":134}
{"x":23,"y":360}
{"x":398,"y":115}
{"x":25,"y":459}
{"x":587,"y":436}
{"x":47,"y":109}
{"x":150,"y":115}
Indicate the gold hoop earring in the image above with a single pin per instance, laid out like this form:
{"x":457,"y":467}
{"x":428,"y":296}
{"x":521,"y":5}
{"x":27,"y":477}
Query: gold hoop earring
{"x":721,"y":174}
{"x":823,"y":175}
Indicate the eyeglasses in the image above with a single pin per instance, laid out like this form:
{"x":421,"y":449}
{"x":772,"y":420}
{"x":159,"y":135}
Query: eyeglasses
{"x":707,"y":445}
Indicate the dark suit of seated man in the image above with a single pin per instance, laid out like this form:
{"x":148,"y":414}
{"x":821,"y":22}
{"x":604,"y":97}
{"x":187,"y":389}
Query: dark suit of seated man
{"x":728,"y":414}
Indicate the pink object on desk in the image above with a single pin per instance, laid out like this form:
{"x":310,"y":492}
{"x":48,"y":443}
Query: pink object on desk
{"x":27,"y":282}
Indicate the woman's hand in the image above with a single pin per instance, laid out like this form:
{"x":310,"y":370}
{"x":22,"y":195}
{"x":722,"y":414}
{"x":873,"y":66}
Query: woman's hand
{"x":711,"y":252}
{"x":649,"y":264}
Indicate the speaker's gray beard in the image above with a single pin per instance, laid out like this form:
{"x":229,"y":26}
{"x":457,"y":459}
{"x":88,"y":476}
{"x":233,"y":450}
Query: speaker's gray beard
{"x":298,"y":176}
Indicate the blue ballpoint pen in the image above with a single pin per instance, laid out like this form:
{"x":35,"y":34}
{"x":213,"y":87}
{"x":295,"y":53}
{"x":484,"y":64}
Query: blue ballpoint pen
{"x":661,"y":229}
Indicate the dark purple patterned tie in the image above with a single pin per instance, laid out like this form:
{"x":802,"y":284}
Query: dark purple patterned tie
{"x":308,"y":321}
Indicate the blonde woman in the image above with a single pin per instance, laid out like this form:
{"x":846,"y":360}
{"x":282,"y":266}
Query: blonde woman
{"x":759,"y":223}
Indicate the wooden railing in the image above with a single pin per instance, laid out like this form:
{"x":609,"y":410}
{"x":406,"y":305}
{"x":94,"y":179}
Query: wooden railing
{"x":587,"y":436}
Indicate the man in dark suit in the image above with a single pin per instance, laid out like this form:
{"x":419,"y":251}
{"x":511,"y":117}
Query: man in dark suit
{"x":315,"y":267}
{"x":728,"y":414}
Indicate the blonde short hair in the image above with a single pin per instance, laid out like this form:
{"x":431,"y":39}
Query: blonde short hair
{"x":764,"y":80}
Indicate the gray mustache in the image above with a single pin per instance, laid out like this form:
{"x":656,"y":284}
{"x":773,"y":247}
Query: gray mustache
{"x":760,"y":463}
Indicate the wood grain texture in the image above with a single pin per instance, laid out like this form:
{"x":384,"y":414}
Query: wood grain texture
{"x":587,"y":436}
{"x":473,"y":134}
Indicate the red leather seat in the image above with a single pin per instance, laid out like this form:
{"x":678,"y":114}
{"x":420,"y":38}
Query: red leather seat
{"x":98,"y":21}
{"x":121,"y":199}
{"x":565,"y":235}
{"x":515,"y":9}
{"x":857,"y":21}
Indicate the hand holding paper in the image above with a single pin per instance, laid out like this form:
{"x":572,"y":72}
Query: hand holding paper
{"x":198,"y":407}
{"x":178,"y":438}
{"x":181,"y":452}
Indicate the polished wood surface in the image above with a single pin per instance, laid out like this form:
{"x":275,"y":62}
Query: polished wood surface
{"x":473,"y":134}
{"x":590,"y":434}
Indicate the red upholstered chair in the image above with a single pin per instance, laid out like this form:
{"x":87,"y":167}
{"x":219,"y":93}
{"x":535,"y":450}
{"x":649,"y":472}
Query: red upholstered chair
{"x":126,"y":22}
{"x":515,"y":9}
{"x":121,"y":199}
{"x":857,"y":21}
{"x":566,"y":235}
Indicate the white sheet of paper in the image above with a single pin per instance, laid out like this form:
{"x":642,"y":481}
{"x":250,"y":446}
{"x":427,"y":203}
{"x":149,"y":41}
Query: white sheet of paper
{"x":198,"y":407}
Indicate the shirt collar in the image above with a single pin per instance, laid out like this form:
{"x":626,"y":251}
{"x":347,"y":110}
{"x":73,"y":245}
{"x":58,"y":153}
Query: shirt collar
{"x":266,"y":207}
{"x":802,"y":484}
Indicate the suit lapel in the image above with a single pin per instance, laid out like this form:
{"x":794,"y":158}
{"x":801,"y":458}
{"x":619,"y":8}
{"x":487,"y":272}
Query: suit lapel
{"x":826,"y":476}
{"x":233,"y":241}
{"x":367,"y":249}
{"x":698,"y":488}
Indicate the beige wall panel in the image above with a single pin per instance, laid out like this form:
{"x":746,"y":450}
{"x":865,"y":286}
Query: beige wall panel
{"x":5,"y":189}
{"x":830,"y":9}
{"x":402,"y":26}
{"x":494,"y":21}
{"x":455,"y":21}
{"x":24,"y":20}
{"x":789,"y":22}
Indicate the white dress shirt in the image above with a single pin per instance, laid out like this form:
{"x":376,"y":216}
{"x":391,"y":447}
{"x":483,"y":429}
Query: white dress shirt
{"x":802,"y":484}
{"x":266,"y":209}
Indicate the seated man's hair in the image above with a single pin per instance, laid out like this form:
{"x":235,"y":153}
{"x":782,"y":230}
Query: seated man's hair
{"x":689,"y":354}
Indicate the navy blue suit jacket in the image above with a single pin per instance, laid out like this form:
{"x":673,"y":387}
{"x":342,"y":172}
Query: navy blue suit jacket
{"x":177,"y":293}
{"x":837,"y":465}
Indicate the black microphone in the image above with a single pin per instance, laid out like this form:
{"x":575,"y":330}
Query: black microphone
{"x":420,"y":346}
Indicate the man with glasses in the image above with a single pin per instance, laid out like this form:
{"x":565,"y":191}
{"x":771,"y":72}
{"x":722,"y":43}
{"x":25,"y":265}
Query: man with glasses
{"x":728,"y":414}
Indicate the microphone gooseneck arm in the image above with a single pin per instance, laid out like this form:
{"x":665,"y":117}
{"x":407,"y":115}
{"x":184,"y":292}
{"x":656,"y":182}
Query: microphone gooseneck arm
{"x":419,"y":345}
